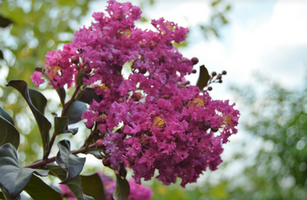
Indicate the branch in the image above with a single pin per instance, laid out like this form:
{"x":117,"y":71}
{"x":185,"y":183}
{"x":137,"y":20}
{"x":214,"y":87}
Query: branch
{"x":42,"y":163}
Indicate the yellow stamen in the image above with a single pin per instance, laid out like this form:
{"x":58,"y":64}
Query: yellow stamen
{"x":126,"y":33}
{"x":103,"y":87}
{"x":170,"y":27}
{"x":56,"y":70}
{"x":159,"y":122}
{"x":199,"y":102}
{"x":228,"y":119}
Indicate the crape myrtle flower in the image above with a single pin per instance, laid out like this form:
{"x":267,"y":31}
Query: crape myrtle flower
{"x":153,"y":120}
{"x":37,"y":78}
{"x":180,"y":136}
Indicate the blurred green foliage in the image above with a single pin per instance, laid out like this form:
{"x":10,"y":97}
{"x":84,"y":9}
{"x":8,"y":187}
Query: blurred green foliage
{"x":277,"y":119}
{"x":37,"y":26}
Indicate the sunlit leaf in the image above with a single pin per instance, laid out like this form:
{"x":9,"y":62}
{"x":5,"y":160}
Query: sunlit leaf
{"x":43,"y":124}
{"x":203,"y":77}
{"x":14,"y":179}
{"x":68,"y":161}
{"x":122,"y":188}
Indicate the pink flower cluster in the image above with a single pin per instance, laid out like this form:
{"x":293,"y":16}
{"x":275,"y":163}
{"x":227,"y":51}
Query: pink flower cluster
{"x":154,"y":119}
{"x":139,"y":192}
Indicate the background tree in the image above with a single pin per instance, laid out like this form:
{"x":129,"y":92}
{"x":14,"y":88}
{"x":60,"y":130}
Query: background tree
{"x":278,"y":121}
{"x":32,"y":29}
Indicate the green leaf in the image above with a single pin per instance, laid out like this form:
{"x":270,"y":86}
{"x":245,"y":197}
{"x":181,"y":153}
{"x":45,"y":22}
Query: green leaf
{"x":93,"y":186}
{"x":39,"y":190}
{"x":43,"y":124}
{"x":68,"y":161}
{"x":228,"y":7}
{"x":6,"y":116}
{"x":62,"y":94}
{"x":76,"y":111}
{"x":214,"y":3}
{"x":61,"y":126}
{"x":38,"y":100}
{"x":1,"y":55}
{"x":122,"y":170}
{"x":7,"y":196}
{"x":74,"y":185}
{"x":122,"y":188}
{"x":94,"y":153}
{"x":4,"y":22}
{"x":219,"y":191}
{"x":80,"y":76}
{"x":203,"y":77}
{"x":12,"y":178}
{"x":88,"y":95}
{"x":8,"y":133}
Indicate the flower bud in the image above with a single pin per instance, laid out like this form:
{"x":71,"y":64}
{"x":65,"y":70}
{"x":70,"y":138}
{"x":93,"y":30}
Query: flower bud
{"x":205,"y":125}
{"x":101,"y":118}
{"x":39,"y":69}
{"x":194,"y":60}
{"x":152,"y":45}
{"x":120,"y":99}
{"x":224,"y":72}
{"x":137,"y":96}
{"x":142,"y":70}
{"x":194,"y":71}
{"x":132,"y":160}
{"x":213,"y":73}
{"x":74,"y":59}
{"x":106,"y":162}
{"x":214,"y":129}
{"x":209,"y":88}
{"x":99,"y":143}
{"x":87,"y":68}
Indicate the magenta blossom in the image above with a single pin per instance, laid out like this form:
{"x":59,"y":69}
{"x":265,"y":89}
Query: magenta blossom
{"x":153,"y":120}
{"x":37,"y":78}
